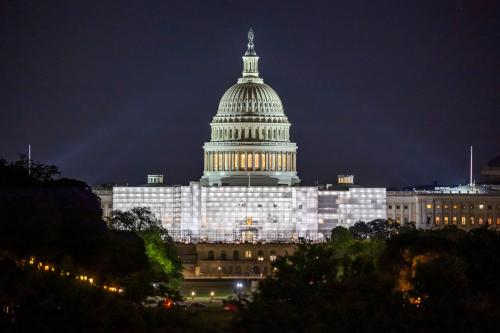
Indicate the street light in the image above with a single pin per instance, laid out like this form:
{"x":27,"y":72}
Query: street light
{"x":212,"y":293}
{"x":219,"y":269}
{"x":239,"y":288}
{"x":192,"y":295}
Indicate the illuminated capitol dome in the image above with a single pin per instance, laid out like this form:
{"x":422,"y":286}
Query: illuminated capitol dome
{"x":250,"y":141}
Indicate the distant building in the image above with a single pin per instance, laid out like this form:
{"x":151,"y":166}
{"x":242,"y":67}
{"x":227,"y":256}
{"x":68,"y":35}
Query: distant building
{"x":465,"y":207}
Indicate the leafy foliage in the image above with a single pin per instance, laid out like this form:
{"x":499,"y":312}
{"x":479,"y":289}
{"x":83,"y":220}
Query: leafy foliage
{"x":159,"y":246}
{"x":412,"y":281}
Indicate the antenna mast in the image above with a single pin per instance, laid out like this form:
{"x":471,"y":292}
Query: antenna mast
{"x":29,"y":159}
{"x":471,"y":181}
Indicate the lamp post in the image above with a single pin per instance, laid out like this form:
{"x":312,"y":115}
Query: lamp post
{"x":212,"y":293}
{"x":192,"y":295}
{"x":219,"y":269}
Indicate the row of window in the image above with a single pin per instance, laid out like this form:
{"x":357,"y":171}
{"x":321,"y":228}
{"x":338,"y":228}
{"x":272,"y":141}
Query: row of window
{"x":249,"y":161}
{"x":463,"y":220}
{"x":247,"y":255}
{"x":446,"y":206}
{"x":258,"y":134}
{"x":463,"y":206}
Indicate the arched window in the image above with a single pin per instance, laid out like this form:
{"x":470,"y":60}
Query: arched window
{"x":223,"y":255}
{"x":236,"y":256}
{"x":210,"y":255}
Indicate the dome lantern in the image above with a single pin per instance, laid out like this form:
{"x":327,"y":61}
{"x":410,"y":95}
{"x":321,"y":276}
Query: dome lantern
{"x":250,"y":62}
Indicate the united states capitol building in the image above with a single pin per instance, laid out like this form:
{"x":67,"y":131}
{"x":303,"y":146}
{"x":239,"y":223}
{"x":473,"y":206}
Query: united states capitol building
{"x":249,"y":190}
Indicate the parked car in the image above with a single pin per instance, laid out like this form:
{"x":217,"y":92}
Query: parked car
{"x":181,"y":305}
{"x":168,"y":303}
{"x":152,"y":301}
{"x":231,"y":306}
{"x":196,"y":305}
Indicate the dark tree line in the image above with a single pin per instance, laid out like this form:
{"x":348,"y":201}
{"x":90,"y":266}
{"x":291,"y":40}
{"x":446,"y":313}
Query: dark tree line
{"x":378,"y":277}
{"x":59,"y":221}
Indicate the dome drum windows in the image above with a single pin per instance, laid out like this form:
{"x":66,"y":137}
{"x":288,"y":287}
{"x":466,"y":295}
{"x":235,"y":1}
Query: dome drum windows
{"x":249,"y":161}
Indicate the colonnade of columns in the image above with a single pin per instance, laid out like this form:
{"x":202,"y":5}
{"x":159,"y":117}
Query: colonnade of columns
{"x":250,"y":161}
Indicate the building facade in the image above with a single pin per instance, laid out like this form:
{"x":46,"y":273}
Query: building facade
{"x":465,"y":207}
{"x":197,"y":213}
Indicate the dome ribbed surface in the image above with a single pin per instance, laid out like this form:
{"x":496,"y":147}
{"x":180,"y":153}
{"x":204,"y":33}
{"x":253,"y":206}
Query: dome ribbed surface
{"x":250,"y":98}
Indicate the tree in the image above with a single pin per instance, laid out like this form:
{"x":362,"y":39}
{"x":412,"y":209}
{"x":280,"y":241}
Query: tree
{"x":159,"y":246}
{"x":137,"y":219}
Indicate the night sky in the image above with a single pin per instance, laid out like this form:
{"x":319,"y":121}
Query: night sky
{"x":393,"y":92}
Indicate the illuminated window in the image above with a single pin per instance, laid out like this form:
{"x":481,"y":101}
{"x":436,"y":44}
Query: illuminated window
{"x":279,"y":161}
{"x":272,"y":257}
{"x":498,"y":220}
{"x":226,"y":164}
{"x":490,"y":220}
{"x":438,"y":206}
{"x":480,"y":220}
{"x":437,"y":220}
{"x":454,"y":220}
{"x":472,"y":220}
{"x":481,"y":206}
{"x":445,"y":206}
{"x":250,"y":160}
{"x":243,"y":160}
{"x":455,"y":206}
{"x":463,"y":220}
{"x":248,"y":254}
{"x":445,"y":220}
{"x":220,"y":161}
{"x":284,"y":161}
{"x":321,"y":221}
{"x":429,"y":206}
{"x":236,"y":159}
{"x":249,"y":221}
{"x":257,"y":161}
{"x":263,"y":161}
